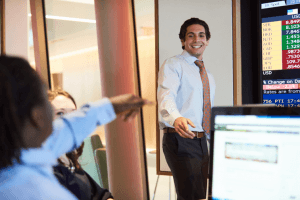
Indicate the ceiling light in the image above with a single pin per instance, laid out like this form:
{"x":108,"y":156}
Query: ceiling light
{"x":73,"y":19}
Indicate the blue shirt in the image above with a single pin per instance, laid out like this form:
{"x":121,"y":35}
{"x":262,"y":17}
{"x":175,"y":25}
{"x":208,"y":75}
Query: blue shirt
{"x":180,"y":91}
{"x":33,"y":178}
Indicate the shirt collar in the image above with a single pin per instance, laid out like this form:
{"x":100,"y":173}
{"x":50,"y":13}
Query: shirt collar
{"x":190,"y":59}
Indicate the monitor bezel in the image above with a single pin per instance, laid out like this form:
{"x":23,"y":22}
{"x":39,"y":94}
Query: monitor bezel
{"x":243,"y":110}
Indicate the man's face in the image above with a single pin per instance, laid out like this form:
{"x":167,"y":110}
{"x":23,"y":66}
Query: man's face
{"x":195,"y":40}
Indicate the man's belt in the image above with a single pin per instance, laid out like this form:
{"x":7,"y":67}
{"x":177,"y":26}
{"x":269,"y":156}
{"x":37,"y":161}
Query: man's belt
{"x":172,"y":130}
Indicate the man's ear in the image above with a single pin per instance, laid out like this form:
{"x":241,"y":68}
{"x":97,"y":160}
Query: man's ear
{"x":207,"y":42}
{"x":182,"y":42}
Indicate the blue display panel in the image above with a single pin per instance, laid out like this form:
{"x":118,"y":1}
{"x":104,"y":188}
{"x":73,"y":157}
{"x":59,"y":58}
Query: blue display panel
{"x":280,"y":43}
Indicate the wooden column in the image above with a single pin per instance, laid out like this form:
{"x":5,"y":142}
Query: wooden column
{"x":40,"y":40}
{"x":237,"y":52}
{"x":118,"y":67}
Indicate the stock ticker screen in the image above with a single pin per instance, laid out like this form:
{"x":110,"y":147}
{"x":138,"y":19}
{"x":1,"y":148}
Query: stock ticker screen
{"x":280,"y":34}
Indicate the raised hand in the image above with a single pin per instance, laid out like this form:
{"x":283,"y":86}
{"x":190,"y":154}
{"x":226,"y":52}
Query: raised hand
{"x":127,"y":105}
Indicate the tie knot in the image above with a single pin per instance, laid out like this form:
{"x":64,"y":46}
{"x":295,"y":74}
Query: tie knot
{"x":199,"y":63}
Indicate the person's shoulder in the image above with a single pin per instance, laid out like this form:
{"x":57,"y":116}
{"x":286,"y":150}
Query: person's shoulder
{"x":175,"y":59}
{"x":28,"y":184}
{"x":174,"y":62}
{"x":19,"y":186}
{"x":35,"y":189}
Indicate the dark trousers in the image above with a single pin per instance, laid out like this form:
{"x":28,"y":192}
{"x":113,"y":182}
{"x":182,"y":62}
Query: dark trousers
{"x":188,"y":161}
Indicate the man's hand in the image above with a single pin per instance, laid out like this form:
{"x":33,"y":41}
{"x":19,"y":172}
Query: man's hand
{"x":182,"y":128}
{"x":127,"y":105}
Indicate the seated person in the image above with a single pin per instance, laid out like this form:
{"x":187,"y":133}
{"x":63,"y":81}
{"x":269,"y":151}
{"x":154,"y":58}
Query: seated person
{"x":31,"y":142}
{"x":69,"y":172}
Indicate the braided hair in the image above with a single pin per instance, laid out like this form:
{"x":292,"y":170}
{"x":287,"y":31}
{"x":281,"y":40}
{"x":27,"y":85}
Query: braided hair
{"x":21,"y":91}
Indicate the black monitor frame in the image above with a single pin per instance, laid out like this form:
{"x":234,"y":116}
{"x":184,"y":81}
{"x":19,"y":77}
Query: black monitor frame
{"x":259,"y":111}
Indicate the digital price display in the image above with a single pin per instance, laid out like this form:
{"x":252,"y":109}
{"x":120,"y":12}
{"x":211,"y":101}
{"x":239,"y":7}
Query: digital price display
{"x":280,"y":33}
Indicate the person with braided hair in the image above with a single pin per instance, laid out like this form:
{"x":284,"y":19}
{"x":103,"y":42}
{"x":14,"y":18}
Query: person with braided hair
{"x":31,"y":142}
{"x":69,"y":171}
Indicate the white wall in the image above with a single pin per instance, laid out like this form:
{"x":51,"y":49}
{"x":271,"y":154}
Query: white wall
{"x":218,"y":55}
{"x":16,"y":27}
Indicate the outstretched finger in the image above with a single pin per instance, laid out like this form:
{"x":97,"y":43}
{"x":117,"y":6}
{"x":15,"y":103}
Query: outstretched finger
{"x":127,"y":115}
{"x":182,"y":133}
{"x":147,"y":102}
{"x":133,"y":115}
{"x":187,"y":132}
{"x":185,"y":127}
{"x":137,"y":102}
{"x":191,"y":123}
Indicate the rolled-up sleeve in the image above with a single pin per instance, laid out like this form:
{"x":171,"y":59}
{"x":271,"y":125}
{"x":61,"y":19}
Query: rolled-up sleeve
{"x":70,"y":130}
{"x":168,"y":83}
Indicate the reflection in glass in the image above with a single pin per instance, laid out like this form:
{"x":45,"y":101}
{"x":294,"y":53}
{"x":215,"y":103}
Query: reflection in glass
{"x":72,"y":46}
{"x":144,"y":18}
{"x":73,"y":55}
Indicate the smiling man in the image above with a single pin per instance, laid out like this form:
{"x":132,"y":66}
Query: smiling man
{"x":185,"y":93}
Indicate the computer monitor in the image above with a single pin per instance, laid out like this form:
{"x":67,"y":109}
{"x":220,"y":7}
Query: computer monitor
{"x":255,"y":153}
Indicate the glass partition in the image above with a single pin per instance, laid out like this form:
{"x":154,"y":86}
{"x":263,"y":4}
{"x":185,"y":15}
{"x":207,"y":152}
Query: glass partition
{"x":72,"y":46}
{"x":31,"y":58}
{"x":73,"y":55}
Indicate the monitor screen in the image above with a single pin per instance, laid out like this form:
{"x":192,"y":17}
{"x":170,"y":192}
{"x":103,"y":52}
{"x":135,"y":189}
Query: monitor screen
{"x":280,"y":52}
{"x":256,"y":157}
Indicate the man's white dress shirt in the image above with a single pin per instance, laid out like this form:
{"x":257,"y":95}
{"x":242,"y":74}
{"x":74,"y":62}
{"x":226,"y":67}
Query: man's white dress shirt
{"x":180,"y":91}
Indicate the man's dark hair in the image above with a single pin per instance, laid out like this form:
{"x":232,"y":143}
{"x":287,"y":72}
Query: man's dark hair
{"x":21,"y":91}
{"x":192,"y":21}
